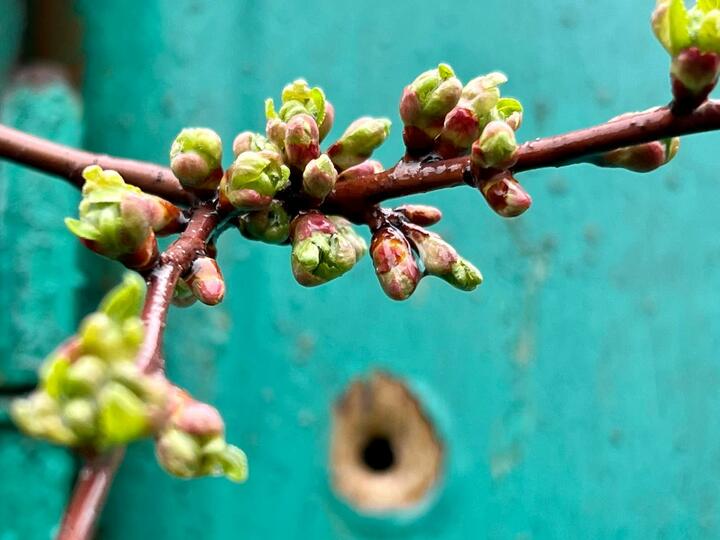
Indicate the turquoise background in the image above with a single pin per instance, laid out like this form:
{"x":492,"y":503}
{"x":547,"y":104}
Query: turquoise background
{"x":577,"y":391}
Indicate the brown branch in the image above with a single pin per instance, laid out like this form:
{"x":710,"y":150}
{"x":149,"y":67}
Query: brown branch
{"x":352,"y":196}
{"x":97,"y":473}
{"x":557,"y":151}
{"x":68,"y":163}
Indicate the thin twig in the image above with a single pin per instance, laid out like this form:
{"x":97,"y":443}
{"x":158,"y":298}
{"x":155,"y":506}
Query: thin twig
{"x":97,"y":473}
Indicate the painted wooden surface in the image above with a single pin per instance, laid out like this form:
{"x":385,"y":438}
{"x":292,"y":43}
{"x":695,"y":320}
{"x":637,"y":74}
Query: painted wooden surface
{"x":576,"y":392}
{"x":40,"y":279}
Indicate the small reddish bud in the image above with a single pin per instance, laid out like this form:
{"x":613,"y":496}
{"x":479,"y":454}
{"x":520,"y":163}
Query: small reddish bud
{"x":420,"y":214}
{"x":302,"y":140}
{"x":366,"y":168}
{"x":394,"y":263}
{"x":496,"y":148}
{"x":505,"y":195}
{"x":206,"y":281}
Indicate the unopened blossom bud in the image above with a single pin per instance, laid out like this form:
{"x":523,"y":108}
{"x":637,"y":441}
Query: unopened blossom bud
{"x":85,"y":375}
{"x":275,"y":130}
{"x":178,"y":453}
{"x":345,"y":228}
{"x":199,"y":419}
{"x":123,"y":416}
{"x":119,"y":221}
{"x":253,"y":179}
{"x":80,"y":415}
{"x":420,"y":214}
{"x":298,"y":98}
{"x":196,"y":158}
{"x":424,"y":104}
{"x":302,"y":140}
{"x":183,"y":295}
{"x":642,"y":157}
{"x":206,"y":281}
{"x":692,"y":37}
{"x":319,"y":177}
{"x":505,"y":195}
{"x":270,"y":225}
{"x":694,"y":75}
{"x":394,"y":263}
{"x":328,"y":120}
{"x":366,"y":168}
{"x":319,"y":252}
{"x":441,"y":259}
{"x":496,"y":148}
{"x":249,"y":141}
{"x":358,"y":142}
{"x":510,"y":110}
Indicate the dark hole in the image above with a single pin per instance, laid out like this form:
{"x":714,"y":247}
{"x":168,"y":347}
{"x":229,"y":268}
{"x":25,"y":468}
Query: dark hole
{"x":378,"y":454}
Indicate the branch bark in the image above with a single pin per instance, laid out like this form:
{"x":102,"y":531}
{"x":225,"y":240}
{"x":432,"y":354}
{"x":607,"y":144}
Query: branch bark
{"x":96,"y":475}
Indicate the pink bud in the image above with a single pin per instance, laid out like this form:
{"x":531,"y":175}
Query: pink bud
{"x":505,"y":195}
{"x":206,"y":281}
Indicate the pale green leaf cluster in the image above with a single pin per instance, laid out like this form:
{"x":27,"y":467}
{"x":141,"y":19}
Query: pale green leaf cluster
{"x":679,"y":28}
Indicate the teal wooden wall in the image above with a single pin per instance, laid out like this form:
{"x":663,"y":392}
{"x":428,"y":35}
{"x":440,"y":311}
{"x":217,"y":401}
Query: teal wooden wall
{"x":577,"y":392}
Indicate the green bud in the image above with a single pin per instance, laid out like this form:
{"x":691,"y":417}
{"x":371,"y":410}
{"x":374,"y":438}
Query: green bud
{"x":427,"y":100}
{"x":123,"y":416}
{"x":298,"y":98}
{"x":321,"y":257}
{"x":80,"y":415}
{"x":101,"y":336}
{"x":302,"y":140}
{"x":319,"y":177}
{"x":248,"y":141}
{"x":253,"y":179}
{"x":358,"y":142}
{"x":233,"y":462}
{"x":327,"y":123}
{"x":38,"y":415}
{"x":271,"y":225}
{"x":85,"y":375}
{"x":183,"y":295}
{"x":482,"y":93}
{"x":463,"y":275}
{"x":496,"y":147}
{"x":275,"y":130}
{"x":178,"y":453}
{"x":345,"y":228}
{"x":196,"y":158}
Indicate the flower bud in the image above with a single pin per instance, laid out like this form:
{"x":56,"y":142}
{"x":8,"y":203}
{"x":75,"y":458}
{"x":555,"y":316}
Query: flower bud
{"x":271,"y":225}
{"x":178,"y":453}
{"x":183,"y":295}
{"x":320,"y":253}
{"x":482,"y":93}
{"x":248,"y":141}
{"x":510,"y":110}
{"x":366,"y":168}
{"x":505,"y":195}
{"x":319,"y":177}
{"x":426,"y":101}
{"x":196,"y":158}
{"x":642,"y":157}
{"x":275,"y":130}
{"x":328,"y":121}
{"x":123,"y":416}
{"x":80,"y":415}
{"x":302,"y":140}
{"x":358,"y":142}
{"x":253,"y":179}
{"x":420,"y":214}
{"x":394,"y":263}
{"x":441,"y":259}
{"x":345,"y":228}
{"x":119,"y":221}
{"x":85,"y":375}
{"x":496,"y":148}
{"x":298,"y":98}
{"x":199,"y":420}
{"x":206,"y":281}
{"x":694,"y":75}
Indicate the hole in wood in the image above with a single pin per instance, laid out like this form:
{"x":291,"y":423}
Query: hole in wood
{"x":385,"y":454}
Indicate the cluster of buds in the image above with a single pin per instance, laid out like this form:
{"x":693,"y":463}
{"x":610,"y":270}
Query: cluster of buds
{"x":192,"y":442}
{"x":323,"y":248}
{"x":443,"y":117}
{"x":400,"y":242}
{"x":93,"y":396}
{"x":203,"y":282}
{"x":121,"y":222}
{"x":692,"y":37}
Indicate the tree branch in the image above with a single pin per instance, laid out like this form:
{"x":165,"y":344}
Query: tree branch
{"x":68,"y":163}
{"x":97,"y":473}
